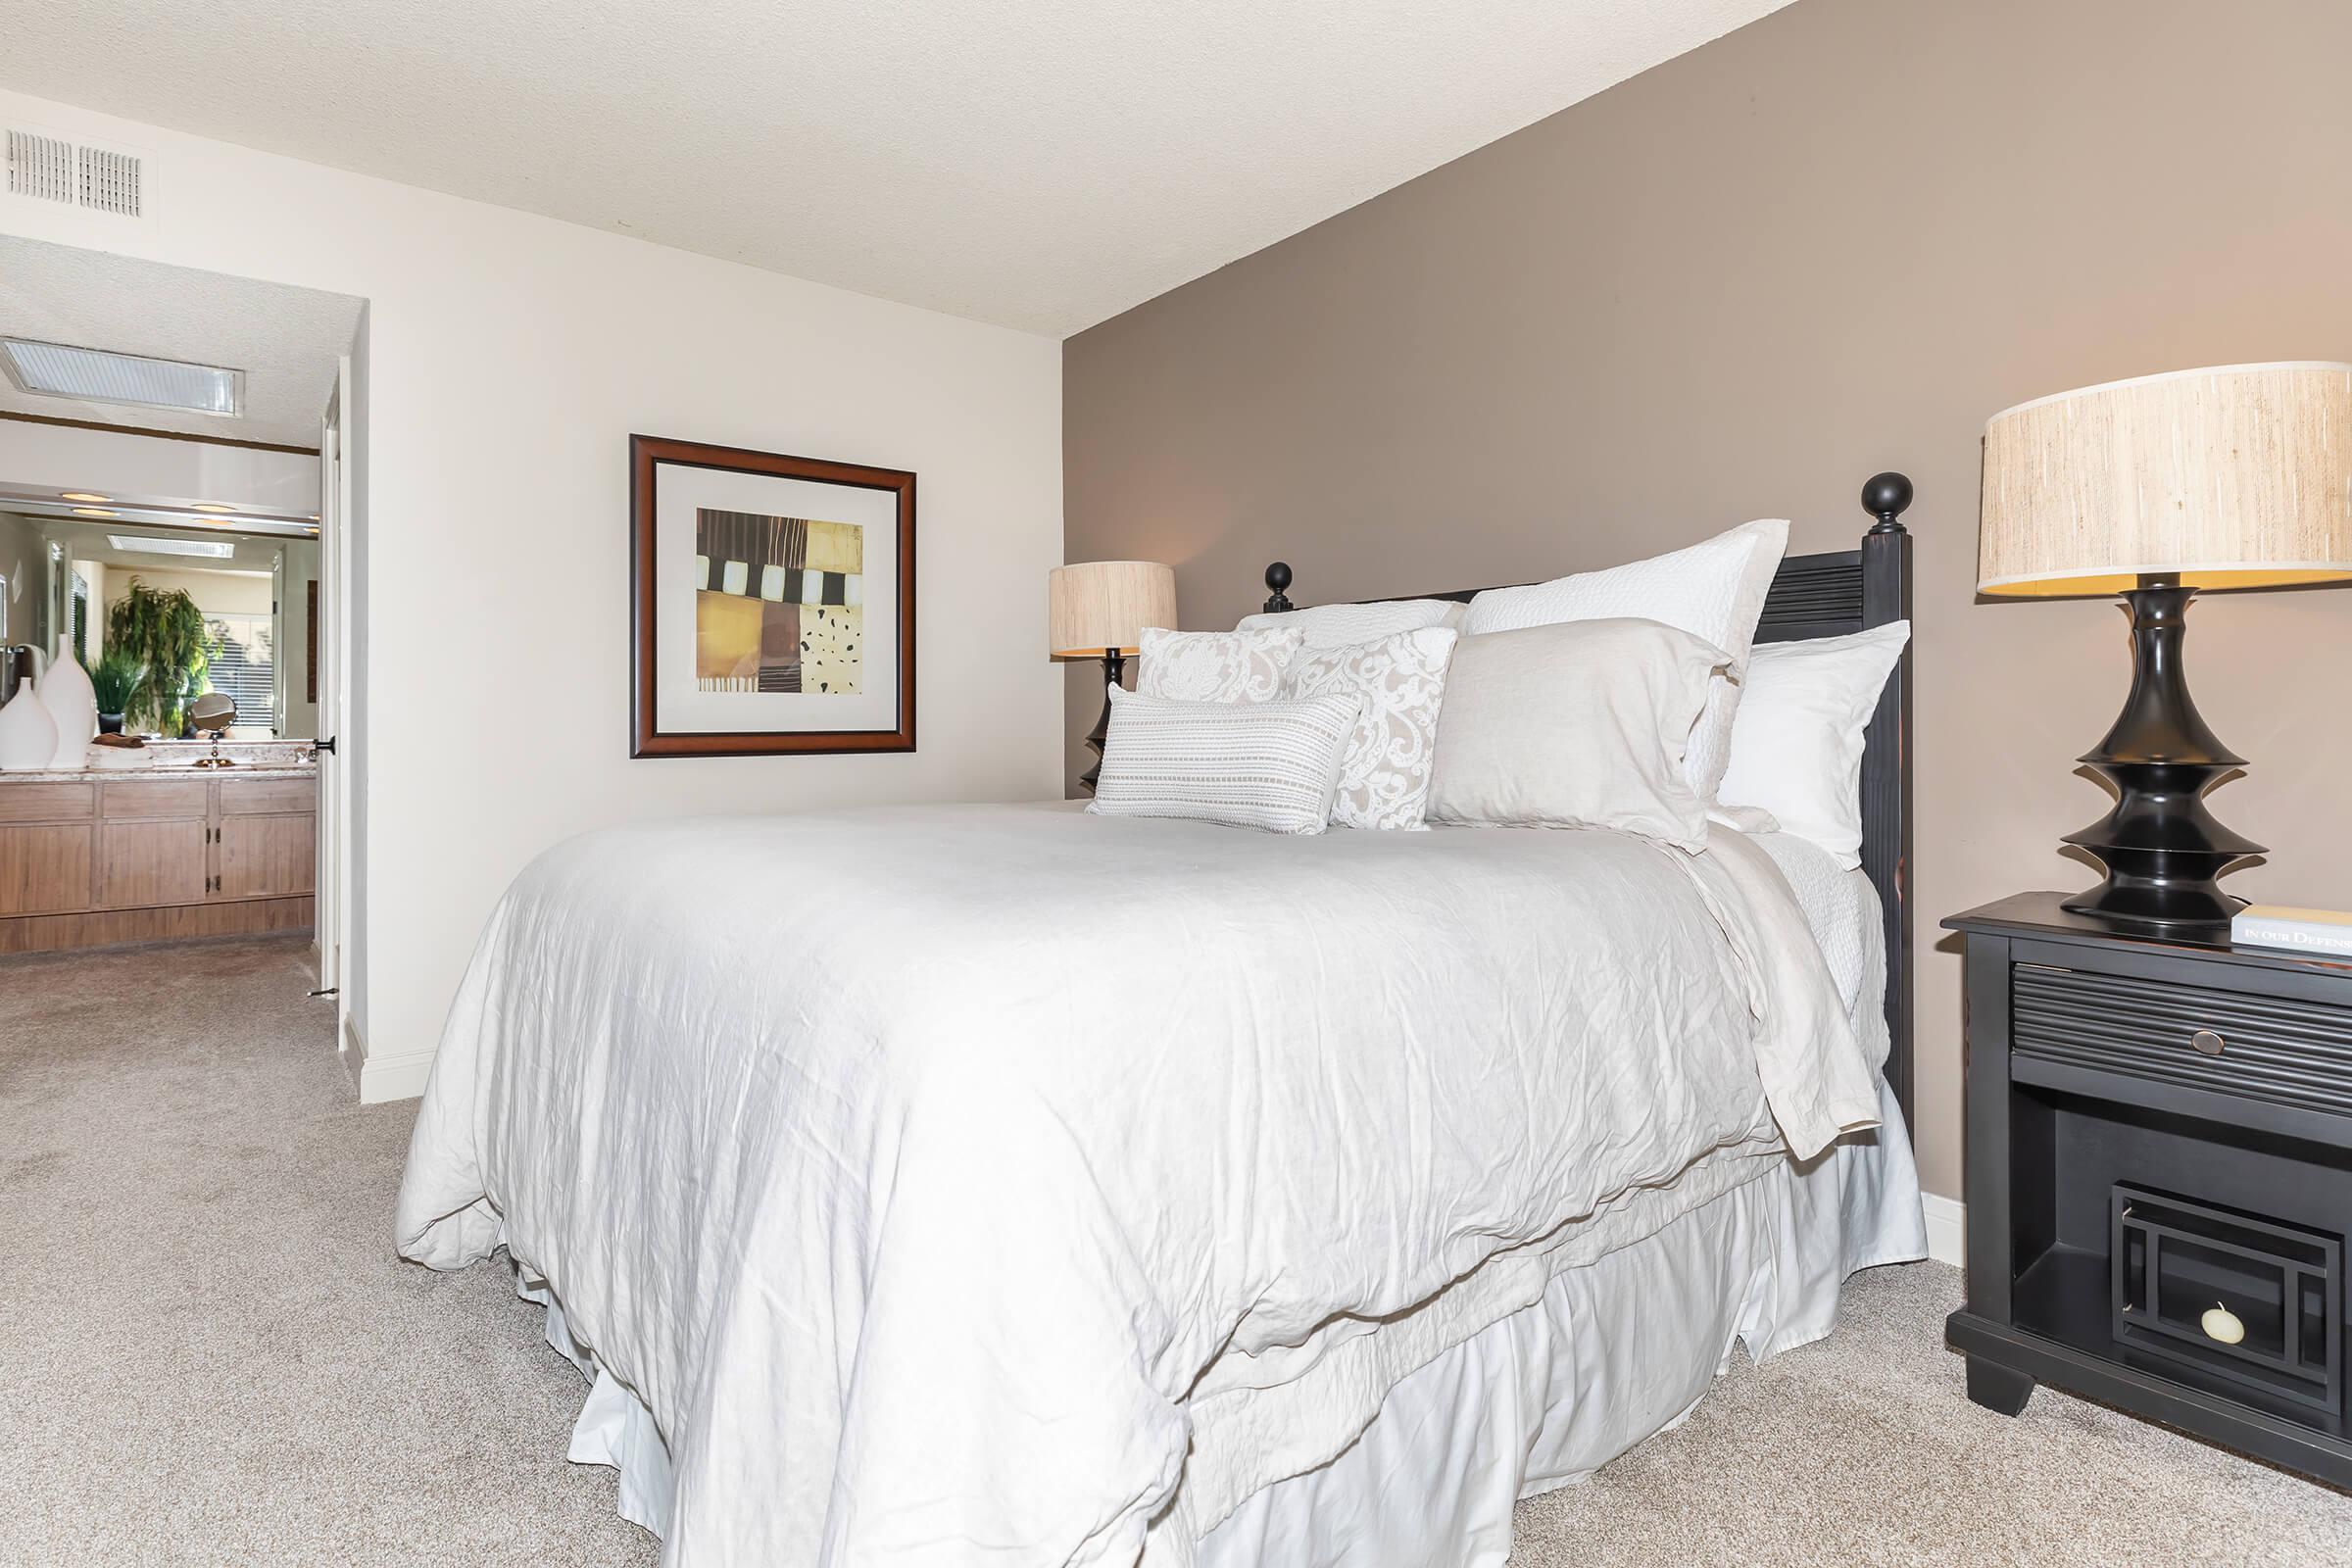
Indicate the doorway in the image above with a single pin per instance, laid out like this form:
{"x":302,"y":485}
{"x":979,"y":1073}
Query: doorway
{"x":176,"y":522}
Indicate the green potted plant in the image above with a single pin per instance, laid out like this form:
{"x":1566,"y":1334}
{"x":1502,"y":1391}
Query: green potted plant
{"x":163,"y":630}
{"x":114,"y":682}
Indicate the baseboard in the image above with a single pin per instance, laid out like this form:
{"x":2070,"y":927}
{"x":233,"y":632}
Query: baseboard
{"x":381,"y":1078}
{"x":1947,"y":1229}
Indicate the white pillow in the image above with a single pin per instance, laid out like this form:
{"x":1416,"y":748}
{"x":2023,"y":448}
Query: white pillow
{"x":1796,"y":748}
{"x":1582,"y":724}
{"x":1343,"y":625}
{"x":1215,"y":667}
{"x":1399,"y":683}
{"x":1268,"y":765}
{"x":1714,"y":590}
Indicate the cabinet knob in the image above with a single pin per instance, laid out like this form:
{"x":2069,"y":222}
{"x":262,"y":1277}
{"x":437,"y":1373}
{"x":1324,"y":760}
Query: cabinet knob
{"x":2208,"y":1042}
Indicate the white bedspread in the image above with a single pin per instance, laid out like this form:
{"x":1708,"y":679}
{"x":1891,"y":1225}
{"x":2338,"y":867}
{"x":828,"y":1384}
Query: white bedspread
{"x":912,"y":1166}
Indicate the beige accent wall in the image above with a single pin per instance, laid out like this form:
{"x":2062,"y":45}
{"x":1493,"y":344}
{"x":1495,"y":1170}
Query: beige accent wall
{"x":1833,"y":242}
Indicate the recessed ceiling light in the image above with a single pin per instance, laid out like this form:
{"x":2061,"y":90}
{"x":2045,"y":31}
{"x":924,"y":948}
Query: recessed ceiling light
{"x":94,"y":375}
{"x":83,"y":495}
{"x":211,"y":505}
{"x":137,"y":544}
{"x":94,"y":512}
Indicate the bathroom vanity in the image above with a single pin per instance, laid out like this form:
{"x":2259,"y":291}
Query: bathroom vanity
{"x":94,"y":857}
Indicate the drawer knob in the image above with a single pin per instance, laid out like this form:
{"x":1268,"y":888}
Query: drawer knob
{"x":2208,"y":1042}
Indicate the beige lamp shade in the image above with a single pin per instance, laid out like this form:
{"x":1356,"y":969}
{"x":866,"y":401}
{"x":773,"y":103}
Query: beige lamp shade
{"x":1101,"y":607}
{"x":2239,"y":476}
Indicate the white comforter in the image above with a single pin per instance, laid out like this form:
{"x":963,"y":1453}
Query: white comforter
{"x":913,"y":1166}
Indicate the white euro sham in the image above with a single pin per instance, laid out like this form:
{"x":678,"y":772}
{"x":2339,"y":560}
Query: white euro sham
{"x":1797,"y":742}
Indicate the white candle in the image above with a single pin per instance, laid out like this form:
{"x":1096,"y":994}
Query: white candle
{"x":2222,"y":1324}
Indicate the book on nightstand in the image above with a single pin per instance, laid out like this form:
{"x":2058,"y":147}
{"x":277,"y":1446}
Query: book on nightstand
{"x":2276,"y":925}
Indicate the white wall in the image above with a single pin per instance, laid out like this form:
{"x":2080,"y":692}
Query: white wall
{"x":217,"y":593}
{"x":294,"y":637}
{"x":508,"y":359}
{"x":25,"y":568}
{"x":147,"y":467}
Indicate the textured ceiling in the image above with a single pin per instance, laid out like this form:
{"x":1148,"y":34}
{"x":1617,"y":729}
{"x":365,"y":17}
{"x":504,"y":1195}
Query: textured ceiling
{"x":285,"y":339}
{"x":1043,"y":164}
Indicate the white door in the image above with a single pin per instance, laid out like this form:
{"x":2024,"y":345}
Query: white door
{"x":333,"y":922}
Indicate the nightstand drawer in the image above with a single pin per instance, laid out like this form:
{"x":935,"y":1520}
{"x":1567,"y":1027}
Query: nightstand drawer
{"x":2286,"y":1052}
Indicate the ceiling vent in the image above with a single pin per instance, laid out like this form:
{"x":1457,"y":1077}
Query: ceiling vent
{"x":94,"y":375}
{"x":45,"y":167}
{"x":110,"y":181}
{"x":41,"y":166}
{"x":213,"y":549}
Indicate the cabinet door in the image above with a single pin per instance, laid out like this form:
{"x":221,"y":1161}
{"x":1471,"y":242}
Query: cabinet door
{"x":267,"y":857}
{"x":46,"y":869}
{"x":145,"y":864}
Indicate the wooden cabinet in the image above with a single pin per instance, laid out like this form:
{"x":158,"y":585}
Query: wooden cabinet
{"x":45,"y":867}
{"x":266,"y":856}
{"x":141,"y":864}
{"x":143,"y":859}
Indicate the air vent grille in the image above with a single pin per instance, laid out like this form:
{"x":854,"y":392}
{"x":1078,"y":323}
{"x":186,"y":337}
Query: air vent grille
{"x":110,"y":181}
{"x":41,"y":166}
{"x":97,"y":376}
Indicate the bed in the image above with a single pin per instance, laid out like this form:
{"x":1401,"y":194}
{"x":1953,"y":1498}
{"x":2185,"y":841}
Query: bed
{"x":1046,"y":1188}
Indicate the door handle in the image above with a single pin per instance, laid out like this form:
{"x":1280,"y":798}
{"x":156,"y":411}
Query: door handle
{"x":327,"y":746}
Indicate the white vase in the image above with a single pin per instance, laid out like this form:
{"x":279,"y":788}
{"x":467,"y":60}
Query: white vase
{"x":28,"y":734}
{"x":72,"y":705}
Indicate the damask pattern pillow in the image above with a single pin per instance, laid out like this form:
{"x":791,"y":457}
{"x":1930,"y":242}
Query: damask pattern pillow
{"x":1215,"y":667}
{"x":1345,"y":625}
{"x":1400,"y":682}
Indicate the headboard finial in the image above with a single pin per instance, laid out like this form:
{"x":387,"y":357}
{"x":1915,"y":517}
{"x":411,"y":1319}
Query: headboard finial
{"x":1884,"y":497}
{"x":1278,"y":578}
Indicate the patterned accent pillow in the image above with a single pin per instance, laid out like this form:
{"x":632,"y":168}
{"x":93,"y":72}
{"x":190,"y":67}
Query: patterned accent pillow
{"x":1215,"y":667}
{"x":1400,"y":682}
{"x":1713,"y":589}
{"x":1343,"y":625}
{"x":1266,"y":766}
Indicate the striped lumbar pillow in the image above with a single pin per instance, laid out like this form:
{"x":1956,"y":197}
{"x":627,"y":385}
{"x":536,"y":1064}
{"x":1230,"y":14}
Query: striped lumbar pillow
{"x":1266,"y":766}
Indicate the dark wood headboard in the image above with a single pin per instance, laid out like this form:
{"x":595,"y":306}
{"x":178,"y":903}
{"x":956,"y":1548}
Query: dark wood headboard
{"x":1830,"y":595}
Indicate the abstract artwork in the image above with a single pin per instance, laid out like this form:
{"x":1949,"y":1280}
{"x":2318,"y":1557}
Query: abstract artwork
{"x":779,"y":604}
{"x":772,"y":602}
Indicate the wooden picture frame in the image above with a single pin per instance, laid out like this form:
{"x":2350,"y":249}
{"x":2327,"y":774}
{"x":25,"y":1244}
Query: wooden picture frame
{"x":743,"y":643}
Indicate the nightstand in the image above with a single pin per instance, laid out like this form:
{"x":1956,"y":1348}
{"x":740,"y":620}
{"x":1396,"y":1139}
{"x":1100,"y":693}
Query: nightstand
{"x":2159,"y":1179}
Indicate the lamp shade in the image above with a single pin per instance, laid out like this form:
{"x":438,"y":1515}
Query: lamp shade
{"x":1101,"y":607}
{"x":2237,"y":476}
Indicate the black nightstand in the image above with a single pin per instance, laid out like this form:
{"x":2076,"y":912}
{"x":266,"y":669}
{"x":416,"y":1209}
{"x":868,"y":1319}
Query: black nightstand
{"x":2157,"y":1128}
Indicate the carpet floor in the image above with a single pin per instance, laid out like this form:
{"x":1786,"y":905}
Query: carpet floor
{"x":209,"y":1354}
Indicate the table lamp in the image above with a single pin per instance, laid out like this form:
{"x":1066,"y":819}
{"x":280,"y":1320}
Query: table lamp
{"x":2233,"y":477}
{"x":1098,"y":609}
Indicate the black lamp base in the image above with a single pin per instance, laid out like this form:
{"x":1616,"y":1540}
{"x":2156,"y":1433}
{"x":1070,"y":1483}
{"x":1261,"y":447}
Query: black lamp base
{"x":1114,"y":674}
{"x":2162,"y":848}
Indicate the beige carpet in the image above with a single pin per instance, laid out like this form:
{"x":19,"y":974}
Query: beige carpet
{"x":208,"y":1354}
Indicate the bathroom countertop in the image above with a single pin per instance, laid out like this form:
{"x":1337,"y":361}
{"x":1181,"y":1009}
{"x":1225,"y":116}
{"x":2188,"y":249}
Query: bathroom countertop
{"x":83,"y":775}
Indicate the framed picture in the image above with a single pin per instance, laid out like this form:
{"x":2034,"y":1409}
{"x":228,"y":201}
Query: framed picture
{"x":771,"y":603}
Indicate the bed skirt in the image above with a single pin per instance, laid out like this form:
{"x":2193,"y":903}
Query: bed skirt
{"x":1616,"y":1351}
